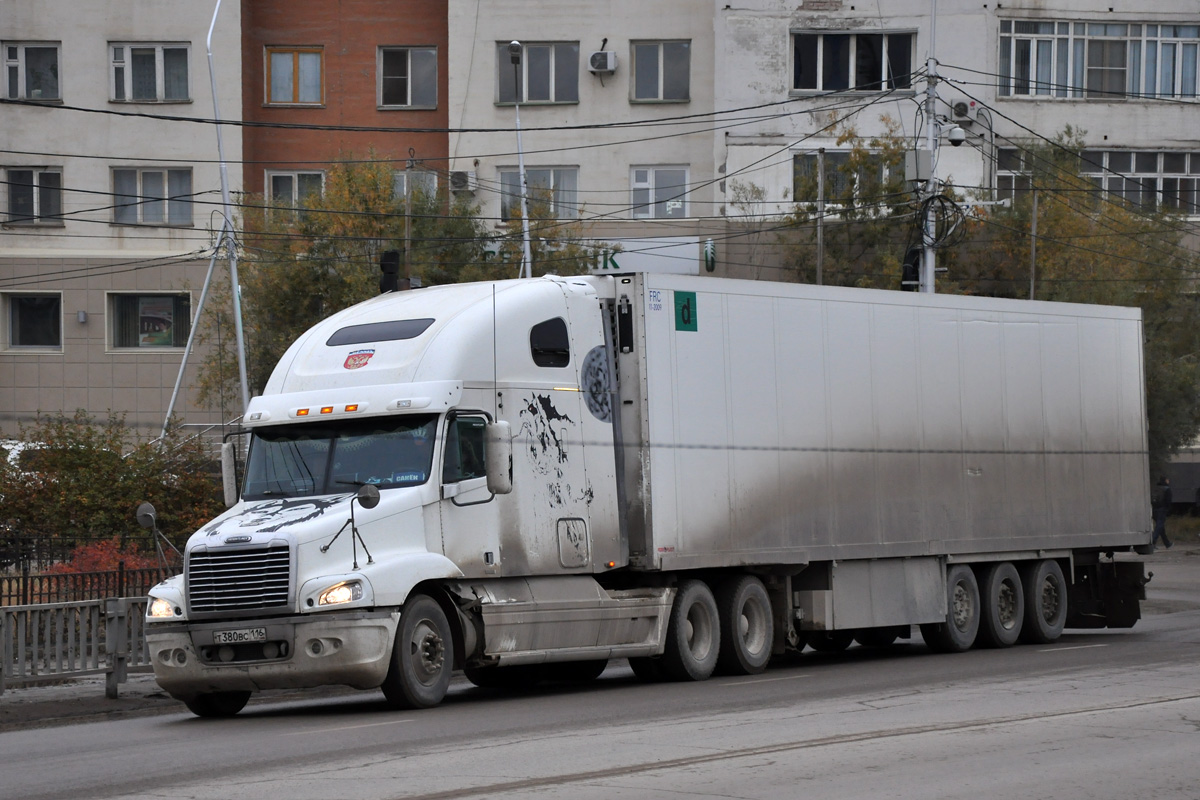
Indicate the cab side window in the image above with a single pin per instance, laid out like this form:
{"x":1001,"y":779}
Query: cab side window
{"x":549,"y":343}
{"x":464,"y":449}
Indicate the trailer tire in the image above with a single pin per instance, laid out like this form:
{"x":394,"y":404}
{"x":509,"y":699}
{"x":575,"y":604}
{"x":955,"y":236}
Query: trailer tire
{"x":423,"y":656}
{"x":747,"y":626}
{"x":1003,"y":605}
{"x":217,"y":705}
{"x":648,"y":669}
{"x":693,"y":633}
{"x":958,"y":632}
{"x":830,"y":641}
{"x":1045,"y":602}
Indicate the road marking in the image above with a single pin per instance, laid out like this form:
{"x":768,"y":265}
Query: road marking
{"x":1076,"y":647}
{"x":764,"y":680}
{"x":347,"y":728}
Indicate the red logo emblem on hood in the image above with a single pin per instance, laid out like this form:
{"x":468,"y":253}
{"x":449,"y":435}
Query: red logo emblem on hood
{"x":358,"y":358}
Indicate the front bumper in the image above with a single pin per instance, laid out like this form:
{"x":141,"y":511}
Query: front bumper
{"x":350,"y":648}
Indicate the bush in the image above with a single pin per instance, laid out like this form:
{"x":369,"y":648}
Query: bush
{"x":84,"y":480}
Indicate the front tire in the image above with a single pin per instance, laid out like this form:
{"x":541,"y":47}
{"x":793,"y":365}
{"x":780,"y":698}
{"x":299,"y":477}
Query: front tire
{"x":1003,"y":606}
{"x":217,"y":705}
{"x":693,"y":633}
{"x":423,"y":656}
{"x":1045,"y":602}
{"x":747,"y":626}
{"x":958,"y":632}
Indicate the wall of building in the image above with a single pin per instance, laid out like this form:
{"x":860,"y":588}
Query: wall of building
{"x":591,"y":135}
{"x":87,"y":256}
{"x":348,"y":34}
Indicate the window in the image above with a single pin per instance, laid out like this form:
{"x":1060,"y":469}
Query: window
{"x":420,"y":182}
{"x":557,"y":188}
{"x":844,"y":185}
{"x":34,"y":196}
{"x":149,"y":73}
{"x":292,"y":189}
{"x":1165,"y":180}
{"x":1094,"y":60}
{"x":549,"y":343}
{"x":152,"y":196}
{"x":661,"y":70}
{"x":34,"y":320}
{"x":549,"y":73}
{"x":31,"y":71}
{"x":464,"y":449}
{"x":859,"y":62}
{"x":150,"y":320}
{"x":407,"y":77}
{"x":294,"y":76}
{"x":659,"y":192}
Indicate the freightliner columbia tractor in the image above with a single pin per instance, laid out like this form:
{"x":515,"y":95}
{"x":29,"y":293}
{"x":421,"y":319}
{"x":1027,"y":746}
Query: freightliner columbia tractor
{"x":524,"y":480}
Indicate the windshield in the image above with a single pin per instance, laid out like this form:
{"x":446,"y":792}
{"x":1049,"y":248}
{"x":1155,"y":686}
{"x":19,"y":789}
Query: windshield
{"x":324,"y":458}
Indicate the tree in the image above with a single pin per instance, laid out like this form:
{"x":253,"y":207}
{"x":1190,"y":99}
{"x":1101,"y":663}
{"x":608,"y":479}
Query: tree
{"x":80,"y":480}
{"x":300,"y":265}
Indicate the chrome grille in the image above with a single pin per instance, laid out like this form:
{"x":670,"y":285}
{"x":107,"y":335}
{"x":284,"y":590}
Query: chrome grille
{"x":245,"y":579}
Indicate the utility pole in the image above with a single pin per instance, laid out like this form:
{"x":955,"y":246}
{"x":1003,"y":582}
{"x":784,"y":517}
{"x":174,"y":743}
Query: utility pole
{"x":820,"y":215}
{"x":1033,"y":246}
{"x":514,"y":53}
{"x":928,"y":264}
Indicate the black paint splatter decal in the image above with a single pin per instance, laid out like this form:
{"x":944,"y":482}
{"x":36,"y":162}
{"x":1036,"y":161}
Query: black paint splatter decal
{"x":595,"y":383}
{"x":294,"y":511}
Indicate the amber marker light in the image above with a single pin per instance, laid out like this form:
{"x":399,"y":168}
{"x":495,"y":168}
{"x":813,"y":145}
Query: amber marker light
{"x":302,"y":412}
{"x":326,"y":409}
{"x":612,"y":564}
{"x":352,"y":407}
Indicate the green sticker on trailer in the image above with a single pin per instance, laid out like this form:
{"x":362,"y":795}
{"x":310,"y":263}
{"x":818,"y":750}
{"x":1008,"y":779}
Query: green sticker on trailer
{"x":685,"y":311}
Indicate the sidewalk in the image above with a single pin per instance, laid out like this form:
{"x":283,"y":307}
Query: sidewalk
{"x":1173,"y":588}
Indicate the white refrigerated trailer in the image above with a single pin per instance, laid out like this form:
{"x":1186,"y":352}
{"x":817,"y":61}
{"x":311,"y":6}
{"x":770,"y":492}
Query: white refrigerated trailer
{"x":525,"y":479}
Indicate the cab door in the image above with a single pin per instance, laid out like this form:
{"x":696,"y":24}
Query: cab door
{"x":470,"y":523}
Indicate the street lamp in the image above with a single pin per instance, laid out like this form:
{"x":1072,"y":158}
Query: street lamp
{"x":514,"y":52}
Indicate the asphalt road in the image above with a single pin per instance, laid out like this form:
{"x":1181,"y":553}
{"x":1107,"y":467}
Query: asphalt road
{"x":1096,"y":715}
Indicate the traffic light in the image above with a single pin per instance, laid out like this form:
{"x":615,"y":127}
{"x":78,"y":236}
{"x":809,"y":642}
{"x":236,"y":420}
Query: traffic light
{"x":910,"y":272}
{"x":389,"y":265}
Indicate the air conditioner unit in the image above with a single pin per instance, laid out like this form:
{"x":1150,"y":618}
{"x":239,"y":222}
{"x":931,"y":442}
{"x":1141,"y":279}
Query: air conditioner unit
{"x":602,"y":61}
{"x":463,"y":181}
{"x":963,"y":112}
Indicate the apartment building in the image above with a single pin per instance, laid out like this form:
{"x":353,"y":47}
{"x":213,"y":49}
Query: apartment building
{"x":110,"y":196}
{"x":1014,"y":75}
{"x":341,"y":80}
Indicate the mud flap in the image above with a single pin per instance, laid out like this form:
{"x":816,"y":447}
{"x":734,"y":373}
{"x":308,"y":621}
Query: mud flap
{"x":1107,"y":595}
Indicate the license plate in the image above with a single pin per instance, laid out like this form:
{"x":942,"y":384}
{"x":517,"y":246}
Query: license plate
{"x":240,"y":636}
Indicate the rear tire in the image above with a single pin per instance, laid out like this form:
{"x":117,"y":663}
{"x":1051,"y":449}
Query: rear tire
{"x":217,"y":705}
{"x":747,"y":626}
{"x":958,"y":632}
{"x":693,"y":633}
{"x":423,"y":656}
{"x":1045,"y":602}
{"x":1003,"y":606}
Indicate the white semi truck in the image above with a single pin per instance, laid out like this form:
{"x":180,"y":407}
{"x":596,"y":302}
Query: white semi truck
{"x":526,"y":479}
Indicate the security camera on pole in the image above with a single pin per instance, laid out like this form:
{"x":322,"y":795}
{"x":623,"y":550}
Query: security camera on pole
{"x":514,"y":52}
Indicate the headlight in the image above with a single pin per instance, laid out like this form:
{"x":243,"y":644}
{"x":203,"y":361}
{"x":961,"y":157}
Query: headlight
{"x":341,"y":593}
{"x":161,"y":609}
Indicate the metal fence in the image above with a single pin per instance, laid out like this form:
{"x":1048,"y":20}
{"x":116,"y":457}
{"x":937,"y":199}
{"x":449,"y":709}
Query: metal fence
{"x":54,"y":641}
{"x":26,"y":589}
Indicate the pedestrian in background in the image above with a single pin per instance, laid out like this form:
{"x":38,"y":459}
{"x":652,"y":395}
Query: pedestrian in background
{"x":1160,"y":504}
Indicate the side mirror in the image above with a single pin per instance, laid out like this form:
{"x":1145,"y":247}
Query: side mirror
{"x":229,"y":473}
{"x":368,"y":495}
{"x":498,"y":458}
{"x":147,"y":517}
